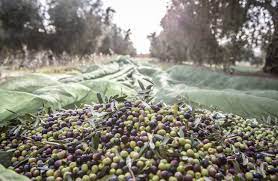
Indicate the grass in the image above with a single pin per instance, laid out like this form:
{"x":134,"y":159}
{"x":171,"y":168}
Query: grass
{"x":69,"y":69}
{"x":246,"y":69}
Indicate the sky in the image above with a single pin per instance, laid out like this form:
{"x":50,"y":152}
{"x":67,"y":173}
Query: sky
{"x":141,"y":16}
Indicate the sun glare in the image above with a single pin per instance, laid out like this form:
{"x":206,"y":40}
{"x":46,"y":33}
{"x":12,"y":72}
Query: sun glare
{"x":141,"y":16}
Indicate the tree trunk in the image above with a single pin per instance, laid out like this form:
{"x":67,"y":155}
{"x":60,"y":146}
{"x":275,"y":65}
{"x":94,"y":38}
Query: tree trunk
{"x":271,"y":60}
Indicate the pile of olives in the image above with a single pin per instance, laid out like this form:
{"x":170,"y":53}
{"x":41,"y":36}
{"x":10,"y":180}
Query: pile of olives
{"x":140,"y":141}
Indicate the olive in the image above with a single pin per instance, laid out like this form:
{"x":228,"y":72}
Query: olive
{"x":126,"y":135}
{"x":26,"y":167}
{"x":187,"y":178}
{"x":196,"y":168}
{"x":116,"y":159}
{"x":124,"y":154}
{"x":134,"y":155}
{"x":97,"y":156}
{"x":78,"y":152}
{"x":249,"y":176}
{"x":187,"y":146}
{"x":164,"y":174}
{"x":122,"y":163}
{"x":257,"y":175}
{"x":162,"y":166}
{"x":57,"y":164}
{"x":94,"y":169}
{"x":272,"y":171}
{"x":219,"y":176}
{"x":61,"y":154}
{"x":174,"y":163}
{"x":84,"y":168}
{"x":140,"y":164}
{"x":190,"y":153}
{"x":181,"y":168}
{"x":124,"y":139}
{"x":205,"y":163}
{"x":268,"y":159}
{"x":106,"y":161}
{"x":212,"y":171}
{"x":49,"y":172}
{"x":222,"y":160}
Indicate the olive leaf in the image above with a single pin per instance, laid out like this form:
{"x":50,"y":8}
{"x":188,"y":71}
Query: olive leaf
{"x":238,"y":178}
{"x":106,"y":178}
{"x":55,"y":143}
{"x":17,"y":129}
{"x":149,"y":87}
{"x":95,"y":141}
{"x":121,"y":98}
{"x":268,"y":119}
{"x":148,"y":80}
{"x":44,"y":168}
{"x":190,"y":107}
{"x":143,"y":149}
{"x":99,"y":97}
{"x":36,"y":123}
{"x":129,"y":162}
{"x":158,"y":136}
{"x":236,"y":166}
{"x":195,"y":141}
{"x":165,"y":140}
{"x":146,"y":104}
{"x":92,"y":123}
{"x":5,"y":158}
{"x":106,"y":99}
{"x":149,"y":99}
{"x":207,"y":179}
{"x":152,"y":146}
{"x":11,"y":111}
{"x":197,"y":122}
{"x":141,"y":176}
{"x":157,"y":154}
{"x":181,"y":133}
{"x":175,"y":109}
{"x":22,"y":162}
{"x":113,"y":106}
{"x":118,"y":154}
{"x":233,"y":148}
{"x":244,"y":159}
{"x":184,"y":158}
{"x":218,"y":115}
{"x":103,"y":172}
{"x":141,"y":85}
{"x":268,"y":154}
{"x":262,"y":170}
{"x":145,"y":92}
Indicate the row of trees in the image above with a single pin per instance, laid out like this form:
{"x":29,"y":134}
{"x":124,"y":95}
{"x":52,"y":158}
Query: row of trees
{"x":76,"y":27}
{"x":196,"y":30}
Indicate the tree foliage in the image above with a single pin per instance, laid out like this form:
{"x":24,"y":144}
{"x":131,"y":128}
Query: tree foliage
{"x":71,"y":26}
{"x":20,"y":22}
{"x":195,"y":30}
{"x":117,"y":41}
